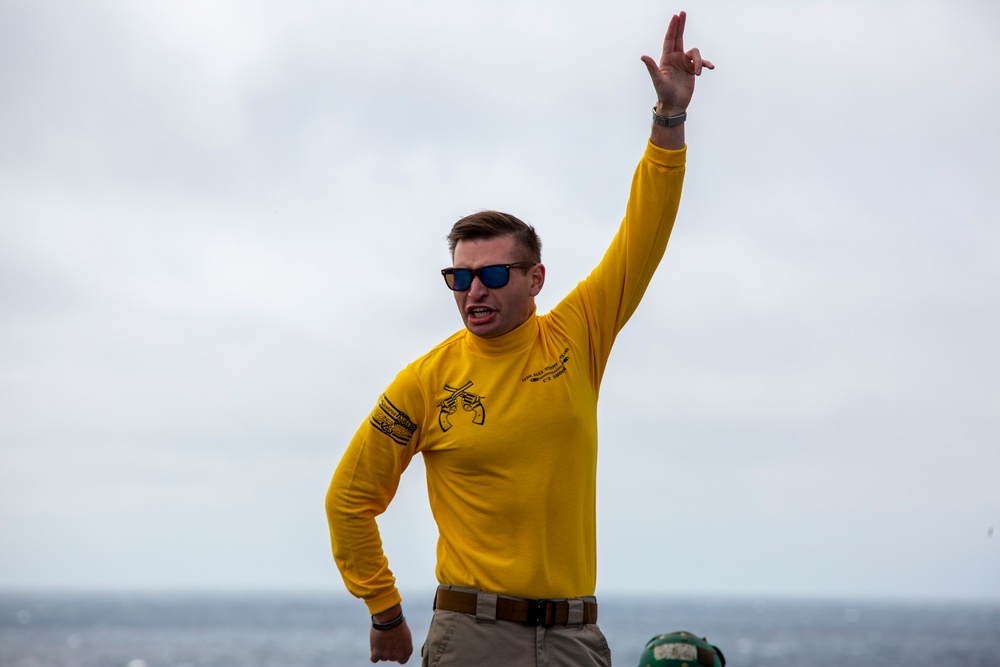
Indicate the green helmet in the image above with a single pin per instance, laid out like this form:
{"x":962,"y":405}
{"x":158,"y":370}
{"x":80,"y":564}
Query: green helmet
{"x":680,"y":649}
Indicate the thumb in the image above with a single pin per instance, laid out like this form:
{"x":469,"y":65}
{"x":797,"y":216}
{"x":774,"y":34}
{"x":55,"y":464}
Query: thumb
{"x":651,"y":65}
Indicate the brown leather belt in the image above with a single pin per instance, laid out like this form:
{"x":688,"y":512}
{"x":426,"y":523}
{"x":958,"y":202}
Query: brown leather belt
{"x":520,"y":610}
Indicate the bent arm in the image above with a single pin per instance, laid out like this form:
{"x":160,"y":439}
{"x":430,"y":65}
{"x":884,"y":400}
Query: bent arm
{"x":362,"y":488}
{"x":359,"y":492}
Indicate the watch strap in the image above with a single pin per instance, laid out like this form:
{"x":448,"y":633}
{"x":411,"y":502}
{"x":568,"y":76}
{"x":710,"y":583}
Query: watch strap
{"x":669,"y":121}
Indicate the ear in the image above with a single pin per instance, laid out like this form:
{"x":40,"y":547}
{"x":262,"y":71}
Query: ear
{"x":537,"y":276}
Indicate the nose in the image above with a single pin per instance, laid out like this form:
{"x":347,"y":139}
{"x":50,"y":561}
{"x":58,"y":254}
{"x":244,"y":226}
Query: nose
{"x":477,"y":289}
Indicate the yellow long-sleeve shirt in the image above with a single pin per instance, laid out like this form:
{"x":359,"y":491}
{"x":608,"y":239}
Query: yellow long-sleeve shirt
{"x":508,"y":430}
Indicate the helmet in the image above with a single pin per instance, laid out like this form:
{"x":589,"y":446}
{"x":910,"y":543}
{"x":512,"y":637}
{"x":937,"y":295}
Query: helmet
{"x":680,"y":649}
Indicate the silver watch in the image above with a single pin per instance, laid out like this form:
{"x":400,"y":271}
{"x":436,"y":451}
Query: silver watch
{"x":669,"y":121}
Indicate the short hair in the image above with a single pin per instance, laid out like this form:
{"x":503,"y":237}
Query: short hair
{"x":491,"y":224}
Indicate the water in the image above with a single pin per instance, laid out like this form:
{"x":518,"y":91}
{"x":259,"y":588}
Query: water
{"x":174,"y":630}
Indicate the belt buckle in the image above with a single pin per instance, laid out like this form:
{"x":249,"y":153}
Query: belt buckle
{"x":541,"y":612}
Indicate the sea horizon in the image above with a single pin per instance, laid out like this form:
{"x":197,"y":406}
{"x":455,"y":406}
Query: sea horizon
{"x":270,"y":628}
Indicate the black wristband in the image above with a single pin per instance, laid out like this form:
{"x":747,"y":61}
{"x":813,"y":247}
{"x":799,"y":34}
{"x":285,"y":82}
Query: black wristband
{"x":390,"y":625}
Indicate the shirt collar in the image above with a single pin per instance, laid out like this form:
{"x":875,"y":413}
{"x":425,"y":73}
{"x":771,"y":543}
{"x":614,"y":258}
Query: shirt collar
{"x":512,"y":341}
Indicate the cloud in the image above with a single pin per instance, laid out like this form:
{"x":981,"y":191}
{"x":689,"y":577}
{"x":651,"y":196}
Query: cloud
{"x":222,"y":228}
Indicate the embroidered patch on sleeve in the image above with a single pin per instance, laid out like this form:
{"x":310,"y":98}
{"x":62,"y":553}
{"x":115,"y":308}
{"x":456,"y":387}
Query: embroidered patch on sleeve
{"x":396,"y":424}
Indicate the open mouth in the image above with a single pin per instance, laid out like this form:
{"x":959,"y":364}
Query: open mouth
{"x":480,"y":312}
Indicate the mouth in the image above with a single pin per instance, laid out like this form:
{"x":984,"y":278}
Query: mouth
{"x":479,"y":313}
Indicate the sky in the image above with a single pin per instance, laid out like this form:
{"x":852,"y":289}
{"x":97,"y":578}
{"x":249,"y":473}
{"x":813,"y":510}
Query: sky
{"x":221,"y":226}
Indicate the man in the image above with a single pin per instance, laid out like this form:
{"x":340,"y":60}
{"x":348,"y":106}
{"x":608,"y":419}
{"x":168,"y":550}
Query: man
{"x":505,"y":414}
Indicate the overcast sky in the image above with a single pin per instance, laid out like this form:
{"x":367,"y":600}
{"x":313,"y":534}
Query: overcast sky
{"x":221,"y":225}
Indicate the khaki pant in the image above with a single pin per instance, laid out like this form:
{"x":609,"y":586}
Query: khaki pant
{"x":460,"y":640}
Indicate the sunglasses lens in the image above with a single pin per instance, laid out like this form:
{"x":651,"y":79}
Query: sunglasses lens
{"x":459,"y":280}
{"x":494,"y":276}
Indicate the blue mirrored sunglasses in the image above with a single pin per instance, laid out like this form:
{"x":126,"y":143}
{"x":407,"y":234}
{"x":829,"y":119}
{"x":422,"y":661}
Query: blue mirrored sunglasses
{"x":492,"y":276}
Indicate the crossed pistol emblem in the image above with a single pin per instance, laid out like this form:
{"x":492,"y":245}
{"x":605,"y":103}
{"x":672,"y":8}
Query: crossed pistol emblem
{"x":460,"y":397}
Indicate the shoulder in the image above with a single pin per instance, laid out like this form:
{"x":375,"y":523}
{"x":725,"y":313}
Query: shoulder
{"x":446,"y":345}
{"x":445,"y":348}
{"x":417,"y":371}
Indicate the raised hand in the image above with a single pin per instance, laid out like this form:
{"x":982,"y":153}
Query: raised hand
{"x":673,"y":77}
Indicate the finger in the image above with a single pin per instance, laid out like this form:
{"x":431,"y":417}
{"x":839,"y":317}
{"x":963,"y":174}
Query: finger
{"x":697,"y":62}
{"x":679,"y":41}
{"x":655,"y":73}
{"x":654,"y":69}
{"x":671,"y":37}
{"x":673,"y":42}
{"x":694,"y":57}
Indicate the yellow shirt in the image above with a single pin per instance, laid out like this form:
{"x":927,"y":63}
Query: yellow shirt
{"x":508,"y":430}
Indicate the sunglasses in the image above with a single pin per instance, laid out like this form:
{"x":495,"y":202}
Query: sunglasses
{"x":492,"y":277}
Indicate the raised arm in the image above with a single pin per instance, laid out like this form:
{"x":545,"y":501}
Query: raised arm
{"x":673,"y":80}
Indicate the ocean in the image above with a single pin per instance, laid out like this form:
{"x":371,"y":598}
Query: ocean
{"x":285,"y":630}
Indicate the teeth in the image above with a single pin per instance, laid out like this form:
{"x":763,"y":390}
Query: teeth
{"x":479,"y":312}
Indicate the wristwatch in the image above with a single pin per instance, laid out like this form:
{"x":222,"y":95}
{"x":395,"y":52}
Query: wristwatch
{"x":669,"y":121}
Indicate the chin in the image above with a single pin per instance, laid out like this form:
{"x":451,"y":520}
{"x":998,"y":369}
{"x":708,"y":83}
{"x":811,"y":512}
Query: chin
{"x":489,"y":331}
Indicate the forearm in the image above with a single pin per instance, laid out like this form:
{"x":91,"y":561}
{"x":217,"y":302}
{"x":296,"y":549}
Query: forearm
{"x":357,"y":551}
{"x":649,"y":219}
{"x":358,"y":493}
{"x":671,"y":138}
{"x":617,"y":284}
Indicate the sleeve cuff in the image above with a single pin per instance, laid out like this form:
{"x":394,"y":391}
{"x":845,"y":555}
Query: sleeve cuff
{"x":381,"y":603}
{"x":664,"y":158}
